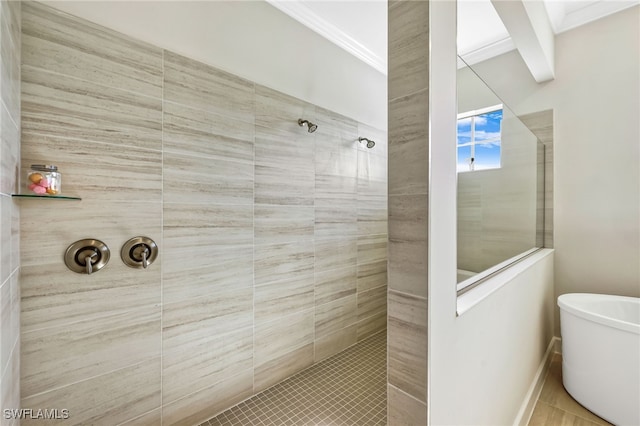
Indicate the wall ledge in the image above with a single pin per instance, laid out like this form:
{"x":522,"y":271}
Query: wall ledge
{"x":474,"y":296}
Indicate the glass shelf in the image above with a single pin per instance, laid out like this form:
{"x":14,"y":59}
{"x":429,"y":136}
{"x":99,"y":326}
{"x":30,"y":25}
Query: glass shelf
{"x":53,"y":197}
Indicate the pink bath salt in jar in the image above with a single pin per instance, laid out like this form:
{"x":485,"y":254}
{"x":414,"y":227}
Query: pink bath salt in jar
{"x":44,"y":180}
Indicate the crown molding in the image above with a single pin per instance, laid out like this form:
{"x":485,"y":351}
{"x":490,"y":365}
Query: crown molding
{"x":486,"y":52}
{"x":308,"y":18}
{"x":592,"y":12}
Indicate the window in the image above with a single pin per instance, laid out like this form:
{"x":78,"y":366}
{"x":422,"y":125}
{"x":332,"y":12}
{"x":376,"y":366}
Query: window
{"x":479,"y":139}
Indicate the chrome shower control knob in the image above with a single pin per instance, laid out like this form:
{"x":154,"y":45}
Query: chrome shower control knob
{"x":139,"y":252}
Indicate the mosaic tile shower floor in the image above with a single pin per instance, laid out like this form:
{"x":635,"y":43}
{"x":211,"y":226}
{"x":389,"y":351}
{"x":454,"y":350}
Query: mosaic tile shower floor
{"x":348,"y":389}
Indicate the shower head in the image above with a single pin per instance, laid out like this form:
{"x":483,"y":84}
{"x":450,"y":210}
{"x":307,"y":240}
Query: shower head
{"x":370,"y":143}
{"x":310,"y":126}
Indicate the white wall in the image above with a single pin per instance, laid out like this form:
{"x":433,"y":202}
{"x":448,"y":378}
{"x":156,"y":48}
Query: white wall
{"x":596,"y":102}
{"x":254,"y":40}
{"x":481,"y":363}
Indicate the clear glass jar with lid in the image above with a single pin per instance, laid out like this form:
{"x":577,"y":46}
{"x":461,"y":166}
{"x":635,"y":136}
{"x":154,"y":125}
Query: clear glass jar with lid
{"x":44,"y":180}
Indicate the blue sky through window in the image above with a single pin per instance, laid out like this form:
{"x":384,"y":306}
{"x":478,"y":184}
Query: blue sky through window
{"x":479,"y":137}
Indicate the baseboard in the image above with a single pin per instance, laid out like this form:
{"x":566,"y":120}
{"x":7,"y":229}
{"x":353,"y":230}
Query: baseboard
{"x":530,"y":399}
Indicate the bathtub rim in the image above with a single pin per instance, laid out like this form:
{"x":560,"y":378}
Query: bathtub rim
{"x":565,"y":304}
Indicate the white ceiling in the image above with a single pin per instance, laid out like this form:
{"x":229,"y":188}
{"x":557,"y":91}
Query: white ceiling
{"x":360,"y":26}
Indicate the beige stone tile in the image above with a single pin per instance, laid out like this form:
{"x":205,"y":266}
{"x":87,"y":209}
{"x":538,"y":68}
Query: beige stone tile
{"x":57,"y":105}
{"x":276,"y":110}
{"x":546,"y":415}
{"x":290,"y":295}
{"x":205,"y":403}
{"x":372,"y":248}
{"x":282,"y":367}
{"x":207,"y":249}
{"x":54,"y":296}
{"x":372,"y":325}
{"x":195,"y":358}
{"x":372,"y":275}
{"x":554,"y":394}
{"x":201,"y":86}
{"x":10,"y":46}
{"x":10,"y":383}
{"x":284,"y":167}
{"x":277,"y":262}
{"x":15,"y":235}
{"x":335,"y":342}
{"x":335,"y":284}
{"x":336,"y":252}
{"x":408,"y":53}
{"x":372,"y":167}
{"x":198,"y":132}
{"x":44,"y":238}
{"x":409,"y":144}
{"x":199,"y":179}
{"x":407,"y":345}
{"x":281,"y":224}
{"x":217,"y":313}
{"x":111,"y":398}
{"x":58,"y":356}
{"x":372,"y":218}
{"x":378,"y":135}
{"x":151,"y":418}
{"x":337,"y":125}
{"x":407,"y":267}
{"x":113,"y":172}
{"x":9,"y":153}
{"x":372,"y":302}
{"x":408,"y":217}
{"x":92,"y":52}
{"x":403,"y":410}
{"x":335,"y":156}
{"x":335,"y":217}
{"x":6,"y":211}
{"x":277,"y":338}
{"x":6,"y":324}
{"x":335,"y":315}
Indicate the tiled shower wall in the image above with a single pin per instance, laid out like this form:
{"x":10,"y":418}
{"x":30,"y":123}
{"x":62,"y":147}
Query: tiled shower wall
{"x":9,"y":211}
{"x":408,"y":211}
{"x":272,"y":240}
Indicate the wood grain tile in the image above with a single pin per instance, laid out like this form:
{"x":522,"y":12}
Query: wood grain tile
{"x":111,"y":398}
{"x":91,"y":52}
{"x":212,"y":358}
{"x":59,"y":356}
{"x":278,"y":369}
{"x":335,"y":315}
{"x":336,"y":252}
{"x":58,"y":105}
{"x":407,"y":344}
{"x":335,"y":284}
{"x":372,"y":325}
{"x":281,"y":224}
{"x":403,"y":410}
{"x":151,"y":418}
{"x":335,"y":342}
{"x":408,"y":266}
{"x":9,"y":153}
{"x":10,"y":48}
{"x":408,"y":58}
{"x":555,"y":396}
{"x":409,"y":144}
{"x":10,"y":383}
{"x":221,"y":234}
{"x":378,"y":135}
{"x":289,"y":295}
{"x":217,"y":313}
{"x":277,"y":262}
{"x":278,"y":111}
{"x":277,"y":338}
{"x":112,"y":172}
{"x":545,"y":414}
{"x":191,"y":131}
{"x":372,"y":274}
{"x":201,"y":86}
{"x":205,"y":403}
{"x":6,"y":211}
{"x":6,"y":325}
{"x":372,"y":302}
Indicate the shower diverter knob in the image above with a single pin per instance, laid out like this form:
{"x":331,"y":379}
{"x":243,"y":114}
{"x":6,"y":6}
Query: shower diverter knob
{"x":139,"y":252}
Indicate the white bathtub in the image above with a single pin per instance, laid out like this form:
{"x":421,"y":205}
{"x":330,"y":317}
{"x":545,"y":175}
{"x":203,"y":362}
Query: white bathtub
{"x":601,"y":354}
